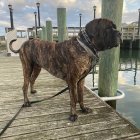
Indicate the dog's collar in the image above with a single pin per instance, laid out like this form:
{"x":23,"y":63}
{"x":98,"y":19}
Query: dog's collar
{"x":85,"y":47}
{"x":86,"y":37}
{"x":86,"y":43}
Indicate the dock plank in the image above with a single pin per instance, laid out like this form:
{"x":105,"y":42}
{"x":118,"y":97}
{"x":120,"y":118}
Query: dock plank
{"x":49,"y":119}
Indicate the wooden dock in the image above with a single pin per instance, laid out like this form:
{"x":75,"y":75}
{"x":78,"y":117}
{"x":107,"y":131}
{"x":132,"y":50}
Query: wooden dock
{"x":49,"y":119}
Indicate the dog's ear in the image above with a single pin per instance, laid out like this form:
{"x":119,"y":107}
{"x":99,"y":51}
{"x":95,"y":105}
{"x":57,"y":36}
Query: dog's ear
{"x":92,"y":28}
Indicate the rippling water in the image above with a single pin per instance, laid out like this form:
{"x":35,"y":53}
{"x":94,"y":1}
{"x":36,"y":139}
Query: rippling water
{"x":129,"y":82}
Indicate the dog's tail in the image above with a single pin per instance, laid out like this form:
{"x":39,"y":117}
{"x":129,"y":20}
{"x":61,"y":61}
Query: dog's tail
{"x":11,"y":48}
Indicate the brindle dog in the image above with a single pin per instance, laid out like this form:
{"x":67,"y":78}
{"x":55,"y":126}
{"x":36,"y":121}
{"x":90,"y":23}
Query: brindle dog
{"x":67,"y":60}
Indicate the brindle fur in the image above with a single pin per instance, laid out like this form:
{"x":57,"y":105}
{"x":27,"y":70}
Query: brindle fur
{"x":66,"y":60}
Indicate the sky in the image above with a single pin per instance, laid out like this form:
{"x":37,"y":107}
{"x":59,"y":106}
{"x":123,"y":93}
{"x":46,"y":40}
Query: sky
{"x":23,"y":12}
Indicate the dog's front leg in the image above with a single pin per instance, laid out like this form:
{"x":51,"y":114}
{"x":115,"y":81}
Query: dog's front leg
{"x":80,"y":91}
{"x":73,"y":100}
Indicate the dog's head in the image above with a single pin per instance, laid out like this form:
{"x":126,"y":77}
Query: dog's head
{"x":103,"y":34}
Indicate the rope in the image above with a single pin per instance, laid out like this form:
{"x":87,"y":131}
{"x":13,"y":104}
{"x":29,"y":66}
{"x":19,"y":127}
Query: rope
{"x":10,"y":122}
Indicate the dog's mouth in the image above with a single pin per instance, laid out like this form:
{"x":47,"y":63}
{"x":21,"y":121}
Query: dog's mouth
{"x":116,"y":41}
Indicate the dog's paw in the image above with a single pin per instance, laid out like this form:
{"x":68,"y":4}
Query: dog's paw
{"x":33,"y":91}
{"x":86,"y":110}
{"x":27,"y":104}
{"x":73,"y":118}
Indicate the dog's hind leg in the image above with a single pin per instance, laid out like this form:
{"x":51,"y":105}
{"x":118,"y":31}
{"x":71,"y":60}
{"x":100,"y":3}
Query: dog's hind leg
{"x":27,"y":70}
{"x":80,"y":90}
{"x":34,"y":75}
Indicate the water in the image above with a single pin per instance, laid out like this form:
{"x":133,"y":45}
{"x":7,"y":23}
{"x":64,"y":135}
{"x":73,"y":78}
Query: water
{"x":129,"y":82}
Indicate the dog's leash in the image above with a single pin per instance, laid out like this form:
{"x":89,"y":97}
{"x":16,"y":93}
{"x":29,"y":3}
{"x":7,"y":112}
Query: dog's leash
{"x":65,"y":89}
{"x":32,"y":102}
{"x":10,"y":122}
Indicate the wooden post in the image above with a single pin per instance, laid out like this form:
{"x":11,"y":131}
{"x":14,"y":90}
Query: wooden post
{"x":139,"y":43}
{"x":61,"y":22}
{"x":49,"y":30}
{"x":44,"y":33}
{"x":34,"y":34}
{"x":139,"y":30}
{"x":40,"y":34}
{"x":131,"y":43}
{"x":109,"y":62}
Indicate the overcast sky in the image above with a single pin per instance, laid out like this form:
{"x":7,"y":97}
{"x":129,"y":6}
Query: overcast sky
{"x":23,"y":12}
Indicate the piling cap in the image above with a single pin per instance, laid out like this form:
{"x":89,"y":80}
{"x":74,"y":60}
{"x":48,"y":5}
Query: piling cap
{"x":49,"y":19}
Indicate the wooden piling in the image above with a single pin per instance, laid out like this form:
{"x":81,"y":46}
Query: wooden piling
{"x":49,"y":30}
{"x":40,"y":34}
{"x":131,"y":43}
{"x":139,"y":42}
{"x":109,"y":62}
{"x":61,"y":22}
{"x":44,"y":33}
{"x":34,"y":34}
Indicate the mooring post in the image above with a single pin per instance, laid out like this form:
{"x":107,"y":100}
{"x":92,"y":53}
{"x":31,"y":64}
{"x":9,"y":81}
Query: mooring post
{"x":34,"y":34}
{"x":49,"y":30}
{"x":131,"y":43}
{"x":44,"y":33}
{"x":61,"y":22}
{"x":40,"y":34}
{"x":109,"y":62}
{"x":139,"y":29}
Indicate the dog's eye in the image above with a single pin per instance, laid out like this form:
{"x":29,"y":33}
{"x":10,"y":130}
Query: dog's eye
{"x":111,"y":28}
{"x":114,"y":29}
{"x":108,"y":28}
{"x":114,"y":26}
